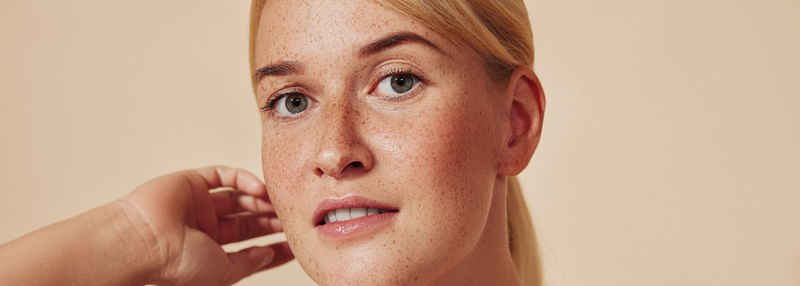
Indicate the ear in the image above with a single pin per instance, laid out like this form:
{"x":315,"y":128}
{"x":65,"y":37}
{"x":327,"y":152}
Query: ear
{"x":524,"y":124}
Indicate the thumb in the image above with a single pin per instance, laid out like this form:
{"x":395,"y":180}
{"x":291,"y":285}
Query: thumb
{"x":247,"y":261}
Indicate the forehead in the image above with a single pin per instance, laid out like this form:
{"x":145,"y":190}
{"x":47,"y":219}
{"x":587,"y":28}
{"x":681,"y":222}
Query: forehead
{"x":305,"y":29}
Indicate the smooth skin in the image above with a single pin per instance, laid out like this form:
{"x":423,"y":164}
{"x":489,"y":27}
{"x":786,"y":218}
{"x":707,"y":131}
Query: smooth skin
{"x":168,"y":231}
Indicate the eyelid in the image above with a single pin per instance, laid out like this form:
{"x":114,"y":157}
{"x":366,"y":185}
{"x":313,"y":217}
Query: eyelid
{"x":395,"y":68}
{"x":286,"y":91}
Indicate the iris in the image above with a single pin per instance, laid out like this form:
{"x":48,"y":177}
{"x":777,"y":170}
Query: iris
{"x":402,"y":83}
{"x":296,"y":103}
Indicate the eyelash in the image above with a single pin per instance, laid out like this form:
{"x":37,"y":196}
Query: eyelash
{"x":271,"y":102}
{"x":401,"y":71}
{"x":270,"y":105}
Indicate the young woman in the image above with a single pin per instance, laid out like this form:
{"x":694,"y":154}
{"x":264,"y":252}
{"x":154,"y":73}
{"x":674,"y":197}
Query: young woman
{"x":389,"y":131}
{"x":391,"y":134}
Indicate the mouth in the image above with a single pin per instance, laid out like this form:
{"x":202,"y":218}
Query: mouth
{"x":343,"y":217}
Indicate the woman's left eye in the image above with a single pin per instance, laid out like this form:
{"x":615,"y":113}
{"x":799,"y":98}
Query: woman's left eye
{"x":397,"y":84}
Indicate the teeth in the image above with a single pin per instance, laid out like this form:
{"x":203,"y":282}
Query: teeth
{"x":348,"y":214}
{"x":342,"y":214}
{"x":357,"y":212}
{"x":330,"y":217}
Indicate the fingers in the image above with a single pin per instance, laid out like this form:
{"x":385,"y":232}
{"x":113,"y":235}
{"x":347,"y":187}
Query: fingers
{"x":283,"y":254}
{"x":233,"y":201}
{"x":242,"y":216}
{"x":204,"y":204}
{"x":242,"y":227}
{"x":251,"y":260}
{"x":248,"y":261}
{"x":220,"y":176}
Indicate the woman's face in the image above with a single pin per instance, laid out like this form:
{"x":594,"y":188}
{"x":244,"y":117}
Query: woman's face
{"x":380,"y":140}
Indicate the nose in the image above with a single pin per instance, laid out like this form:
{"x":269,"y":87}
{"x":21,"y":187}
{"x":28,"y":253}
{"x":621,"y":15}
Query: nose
{"x":341,"y":151}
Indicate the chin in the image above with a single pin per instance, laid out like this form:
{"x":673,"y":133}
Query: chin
{"x":404,"y":252}
{"x":371,"y":270}
{"x":378,"y":258}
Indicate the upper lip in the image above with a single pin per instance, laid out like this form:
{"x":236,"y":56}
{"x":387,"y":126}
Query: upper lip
{"x":346,"y":202}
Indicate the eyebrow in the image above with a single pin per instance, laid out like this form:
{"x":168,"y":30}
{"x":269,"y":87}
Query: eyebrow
{"x":395,"y":39}
{"x":281,"y":68}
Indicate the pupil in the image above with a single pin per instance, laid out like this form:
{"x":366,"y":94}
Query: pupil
{"x":296,"y":101}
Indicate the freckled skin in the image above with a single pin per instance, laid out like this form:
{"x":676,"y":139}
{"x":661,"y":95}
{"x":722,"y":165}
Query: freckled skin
{"x":434,"y":155}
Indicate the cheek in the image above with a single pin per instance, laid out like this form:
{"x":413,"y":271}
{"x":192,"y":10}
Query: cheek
{"x":446,"y":167}
{"x":282,"y":158}
{"x":458,"y":158}
{"x":454,"y":139}
{"x":282,"y":155}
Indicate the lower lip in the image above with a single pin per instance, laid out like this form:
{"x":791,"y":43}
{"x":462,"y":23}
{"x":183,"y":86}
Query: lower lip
{"x":353,"y":227}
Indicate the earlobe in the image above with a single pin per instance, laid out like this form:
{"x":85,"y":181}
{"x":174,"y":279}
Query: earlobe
{"x":525,"y":116}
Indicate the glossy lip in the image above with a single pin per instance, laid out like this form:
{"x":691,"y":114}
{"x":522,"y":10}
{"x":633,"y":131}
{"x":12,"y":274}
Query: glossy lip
{"x":349,"y":227}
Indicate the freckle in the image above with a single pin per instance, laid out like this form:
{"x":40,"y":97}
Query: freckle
{"x":394,"y":241}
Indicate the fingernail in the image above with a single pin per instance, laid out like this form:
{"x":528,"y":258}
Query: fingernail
{"x":268,"y":258}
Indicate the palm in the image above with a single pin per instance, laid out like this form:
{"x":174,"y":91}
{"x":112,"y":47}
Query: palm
{"x":190,"y":224}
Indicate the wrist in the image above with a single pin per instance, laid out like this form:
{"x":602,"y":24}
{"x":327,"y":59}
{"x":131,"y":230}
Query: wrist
{"x":99,"y":247}
{"x":142,"y":245}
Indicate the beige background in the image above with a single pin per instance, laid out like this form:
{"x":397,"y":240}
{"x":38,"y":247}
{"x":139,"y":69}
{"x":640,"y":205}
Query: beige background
{"x":669,"y":157}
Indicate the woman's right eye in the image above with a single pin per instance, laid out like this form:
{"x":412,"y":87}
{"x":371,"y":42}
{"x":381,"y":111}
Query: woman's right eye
{"x":290,"y":104}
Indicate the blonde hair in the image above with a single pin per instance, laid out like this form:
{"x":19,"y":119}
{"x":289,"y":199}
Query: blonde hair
{"x":500,"y":32}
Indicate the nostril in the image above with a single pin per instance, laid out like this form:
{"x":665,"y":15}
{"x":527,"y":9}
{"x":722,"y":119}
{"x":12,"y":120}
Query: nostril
{"x":354,"y":166}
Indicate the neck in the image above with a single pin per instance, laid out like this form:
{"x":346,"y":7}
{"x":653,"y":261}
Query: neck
{"x":490,"y":262}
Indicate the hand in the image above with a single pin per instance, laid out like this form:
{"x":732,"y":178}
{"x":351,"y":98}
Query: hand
{"x":183,"y":225}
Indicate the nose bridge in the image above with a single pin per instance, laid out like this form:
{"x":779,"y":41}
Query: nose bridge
{"x":337,"y":111}
{"x":337,"y":127}
{"x":340,"y":148}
